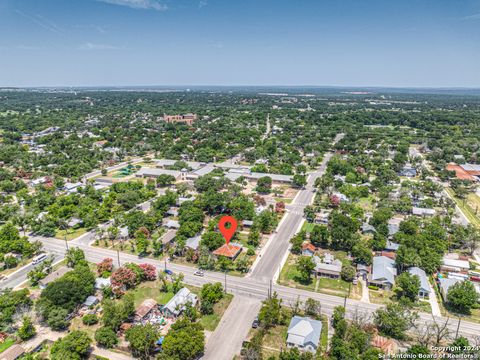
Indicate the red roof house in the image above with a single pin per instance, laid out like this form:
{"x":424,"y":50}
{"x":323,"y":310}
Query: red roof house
{"x":230,"y":251}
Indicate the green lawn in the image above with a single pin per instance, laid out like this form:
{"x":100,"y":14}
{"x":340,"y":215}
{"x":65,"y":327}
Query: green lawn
{"x":308,"y":227}
{"x":150,"y":290}
{"x":6,"y":344}
{"x":210,"y":322}
{"x":71,"y":233}
{"x":324,"y":335}
{"x":367,"y":203}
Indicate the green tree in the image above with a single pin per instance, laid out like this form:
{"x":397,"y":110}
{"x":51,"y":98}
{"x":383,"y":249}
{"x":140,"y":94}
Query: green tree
{"x":264,"y":184}
{"x":348,"y":273}
{"x":73,"y":346}
{"x":408,"y":286}
{"x":462,"y":297}
{"x":320,"y":236}
{"x":270,"y":312}
{"x":27,"y":329}
{"x":184,"y":341}
{"x":74,"y":256}
{"x":394,"y":320}
{"x":142,"y":339}
{"x":305,"y":266}
{"x":106,"y":337}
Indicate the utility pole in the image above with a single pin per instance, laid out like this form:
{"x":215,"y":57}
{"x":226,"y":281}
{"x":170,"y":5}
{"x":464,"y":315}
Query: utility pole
{"x":65,"y":238}
{"x":225,"y":287}
{"x":118,"y":257}
{"x":271,"y":284}
{"x":458,"y":327}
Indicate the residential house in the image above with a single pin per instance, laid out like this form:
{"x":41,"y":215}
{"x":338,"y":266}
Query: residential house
{"x":423,"y":211}
{"x":394,"y":225}
{"x":322,"y":217}
{"x":308,"y":249}
{"x":144,"y":309}
{"x":383,"y":272}
{"x":367,"y":228}
{"x":247,"y":223}
{"x":391,"y":246}
{"x":91,"y":301}
{"x":408,"y":171}
{"x":145,"y":172}
{"x":424,"y":291}
{"x":178,"y":303}
{"x":454,"y":265}
{"x":327,"y":267}
{"x":168,"y":237}
{"x":172,"y":224}
{"x":230,"y":250}
{"x":385,"y":345}
{"x":363,"y":271}
{"x":304,"y":334}
{"x":14,"y":352}
{"x":193,"y":242}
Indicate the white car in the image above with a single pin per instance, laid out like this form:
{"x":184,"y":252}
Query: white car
{"x":199,"y":273}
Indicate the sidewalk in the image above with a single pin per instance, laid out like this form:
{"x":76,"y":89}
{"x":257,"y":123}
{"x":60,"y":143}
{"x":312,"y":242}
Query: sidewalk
{"x":434,"y":302}
{"x":365,"y":293}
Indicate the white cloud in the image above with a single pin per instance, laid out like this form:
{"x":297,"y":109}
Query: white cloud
{"x":93,"y":46}
{"x":202,"y":3}
{"x":138,"y":4}
{"x":472,"y":17}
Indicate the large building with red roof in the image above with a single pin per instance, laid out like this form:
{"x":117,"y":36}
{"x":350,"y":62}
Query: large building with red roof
{"x":469,"y":172}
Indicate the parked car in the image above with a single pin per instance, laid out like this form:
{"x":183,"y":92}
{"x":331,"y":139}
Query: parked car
{"x":199,"y":273}
{"x":168,"y":272}
{"x":255,"y":323}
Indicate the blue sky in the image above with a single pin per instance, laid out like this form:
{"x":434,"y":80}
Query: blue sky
{"x":417,"y":43}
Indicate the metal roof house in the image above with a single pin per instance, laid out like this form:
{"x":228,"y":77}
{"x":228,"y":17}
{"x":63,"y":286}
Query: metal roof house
{"x":423,"y":211}
{"x":424,"y":291}
{"x":328,"y":267}
{"x":178,"y":303}
{"x":383,"y":272}
{"x":304,"y":333}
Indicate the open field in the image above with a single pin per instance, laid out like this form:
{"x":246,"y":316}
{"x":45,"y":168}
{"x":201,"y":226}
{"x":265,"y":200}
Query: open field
{"x":469,"y":206}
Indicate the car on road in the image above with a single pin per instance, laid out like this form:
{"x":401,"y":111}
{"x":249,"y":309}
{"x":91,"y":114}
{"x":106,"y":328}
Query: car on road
{"x":168,"y":272}
{"x":255,"y":323}
{"x":199,"y":273}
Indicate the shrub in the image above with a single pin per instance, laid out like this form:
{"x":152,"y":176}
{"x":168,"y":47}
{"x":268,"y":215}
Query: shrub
{"x":90,"y":319}
{"x":373,"y":287}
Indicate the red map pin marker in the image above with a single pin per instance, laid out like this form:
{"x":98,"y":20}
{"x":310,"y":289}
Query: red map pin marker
{"x":227,"y":232}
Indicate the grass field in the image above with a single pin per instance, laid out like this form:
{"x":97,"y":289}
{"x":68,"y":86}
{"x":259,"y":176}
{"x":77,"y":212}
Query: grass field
{"x":469,"y":207}
{"x":308,"y":227}
{"x":210,"y":322}
{"x":71,"y":233}
{"x":6,"y":344}
{"x":150,"y":290}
